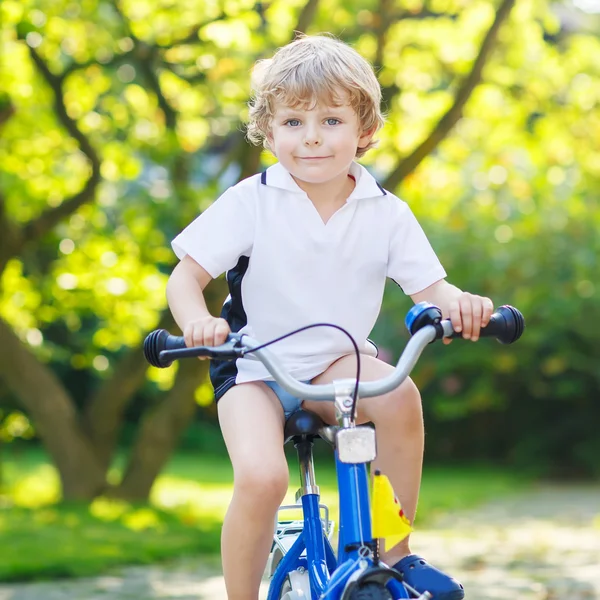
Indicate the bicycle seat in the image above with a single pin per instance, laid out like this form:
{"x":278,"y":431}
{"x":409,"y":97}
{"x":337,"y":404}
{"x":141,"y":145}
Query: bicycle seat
{"x":303,"y":422}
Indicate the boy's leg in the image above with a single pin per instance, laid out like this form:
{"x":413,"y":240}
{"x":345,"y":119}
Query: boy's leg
{"x":398,"y":419}
{"x":251,"y":420}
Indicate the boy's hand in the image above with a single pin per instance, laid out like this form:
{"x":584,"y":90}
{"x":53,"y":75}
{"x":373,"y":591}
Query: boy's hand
{"x":207,"y":331}
{"x":469,"y":313}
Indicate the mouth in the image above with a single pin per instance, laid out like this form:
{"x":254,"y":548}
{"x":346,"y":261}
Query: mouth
{"x":309,"y":158}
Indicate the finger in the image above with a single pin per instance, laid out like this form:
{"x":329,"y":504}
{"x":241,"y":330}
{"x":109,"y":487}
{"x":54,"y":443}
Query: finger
{"x":188,"y":335}
{"x":447,"y":340}
{"x":221,"y":332}
{"x":455,"y":317}
{"x":488,"y":311}
{"x":209,"y":334}
{"x":466,"y":309}
{"x":197,"y":335}
{"x":477,"y":312}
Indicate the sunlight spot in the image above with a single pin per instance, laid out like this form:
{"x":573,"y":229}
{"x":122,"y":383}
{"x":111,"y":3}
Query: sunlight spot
{"x":480,"y":181}
{"x":153,"y":283}
{"x":66,"y":246}
{"x":100,"y":363}
{"x":117,"y":286}
{"x":141,"y":519}
{"x":67,"y":281}
{"x":126,"y":73}
{"x":160,"y":189}
{"x":93,"y":120}
{"x":37,"y":17}
{"x":33,"y":39}
{"x":34,"y":337}
{"x":206,"y":61}
{"x":108,"y":509}
{"x":109,"y":259}
{"x":498,"y":174}
{"x":68,"y":46}
{"x":556,"y":175}
{"x":39,"y":488}
{"x":503,"y":234}
{"x":77,"y":222}
{"x":125,"y":44}
{"x":108,"y":196}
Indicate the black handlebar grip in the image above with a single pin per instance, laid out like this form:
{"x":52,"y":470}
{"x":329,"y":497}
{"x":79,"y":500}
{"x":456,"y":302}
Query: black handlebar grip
{"x":506,"y":325}
{"x":157,"y":341}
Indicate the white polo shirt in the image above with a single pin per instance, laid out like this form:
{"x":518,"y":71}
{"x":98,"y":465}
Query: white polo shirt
{"x":287,"y":269}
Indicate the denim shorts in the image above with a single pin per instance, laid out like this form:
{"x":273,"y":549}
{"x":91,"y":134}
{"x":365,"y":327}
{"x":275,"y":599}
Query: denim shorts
{"x":289,"y":403}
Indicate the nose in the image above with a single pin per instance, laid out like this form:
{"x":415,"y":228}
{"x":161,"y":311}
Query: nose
{"x":312,"y":137}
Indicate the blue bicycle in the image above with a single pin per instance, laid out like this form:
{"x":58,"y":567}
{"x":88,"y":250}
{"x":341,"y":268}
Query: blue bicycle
{"x":303,"y":564}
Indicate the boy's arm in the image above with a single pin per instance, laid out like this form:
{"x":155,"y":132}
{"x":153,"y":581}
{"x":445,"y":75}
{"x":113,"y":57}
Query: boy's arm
{"x":187,"y":304}
{"x":468,"y":312}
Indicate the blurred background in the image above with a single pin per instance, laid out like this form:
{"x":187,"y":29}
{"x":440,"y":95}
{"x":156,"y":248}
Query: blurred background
{"x":121,"y":120}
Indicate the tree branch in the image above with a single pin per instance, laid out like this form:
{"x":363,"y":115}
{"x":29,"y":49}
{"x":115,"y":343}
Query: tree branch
{"x":447,"y":122}
{"x":50,"y":217}
{"x":147,"y":54}
{"x":307,"y":16}
{"x":381,"y":31}
{"x":10,"y":233}
{"x":75,"y":66}
{"x":10,"y":236}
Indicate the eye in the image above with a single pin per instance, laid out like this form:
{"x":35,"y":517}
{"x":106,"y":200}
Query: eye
{"x":332,"y":121}
{"x":293,"y":122}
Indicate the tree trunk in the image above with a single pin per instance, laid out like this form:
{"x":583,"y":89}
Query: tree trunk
{"x":54,"y":416}
{"x":160,"y":429}
{"x":103,"y":416}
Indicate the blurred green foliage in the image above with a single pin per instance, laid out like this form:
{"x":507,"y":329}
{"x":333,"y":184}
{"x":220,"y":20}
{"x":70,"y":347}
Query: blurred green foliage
{"x":152,"y":95}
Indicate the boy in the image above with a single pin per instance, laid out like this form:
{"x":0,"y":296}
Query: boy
{"x":311,"y":239}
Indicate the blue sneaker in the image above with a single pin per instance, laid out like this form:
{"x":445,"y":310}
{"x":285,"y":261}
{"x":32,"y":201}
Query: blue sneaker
{"x":422,"y":576}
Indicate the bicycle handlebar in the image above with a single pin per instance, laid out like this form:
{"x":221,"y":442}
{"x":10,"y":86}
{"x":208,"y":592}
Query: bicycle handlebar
{"x":506,"y":324}
{"x":423,"y":321}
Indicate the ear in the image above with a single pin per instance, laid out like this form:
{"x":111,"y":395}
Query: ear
{"x":365,"y":139}
{"x":269,"y":141}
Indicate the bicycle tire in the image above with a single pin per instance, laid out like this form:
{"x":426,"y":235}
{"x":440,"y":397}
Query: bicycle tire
{"x":371,"y":591}
{"x":285,"y":588}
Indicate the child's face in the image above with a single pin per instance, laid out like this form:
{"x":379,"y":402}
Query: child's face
{"x":316,"y":145}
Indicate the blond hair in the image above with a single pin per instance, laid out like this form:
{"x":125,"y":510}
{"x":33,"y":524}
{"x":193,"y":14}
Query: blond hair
{"x":312,"y":70}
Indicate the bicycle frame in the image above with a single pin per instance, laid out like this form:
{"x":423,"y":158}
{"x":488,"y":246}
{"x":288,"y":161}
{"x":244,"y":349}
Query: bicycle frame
{"x":329,"y":576}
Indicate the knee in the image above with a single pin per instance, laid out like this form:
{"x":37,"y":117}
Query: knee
{"x":402,"y":406}
{"x":264,"y":484}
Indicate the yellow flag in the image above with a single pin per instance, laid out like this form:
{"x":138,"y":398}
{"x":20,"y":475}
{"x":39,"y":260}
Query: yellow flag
{"x":388,"y":519}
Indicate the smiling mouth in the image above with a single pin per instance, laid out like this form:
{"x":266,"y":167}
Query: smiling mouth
{"x":313,"y":157}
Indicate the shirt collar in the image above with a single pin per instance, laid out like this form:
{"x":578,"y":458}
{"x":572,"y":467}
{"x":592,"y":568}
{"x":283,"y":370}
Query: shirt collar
{"x":366,"y":185}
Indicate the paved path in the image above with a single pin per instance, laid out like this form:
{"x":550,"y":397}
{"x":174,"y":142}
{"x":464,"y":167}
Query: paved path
{"x":541,"y":545}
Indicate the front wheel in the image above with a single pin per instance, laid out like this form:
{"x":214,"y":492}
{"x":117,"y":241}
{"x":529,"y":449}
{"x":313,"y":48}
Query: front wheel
{"x":296,"y":586}
{"x":371,"y":591}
